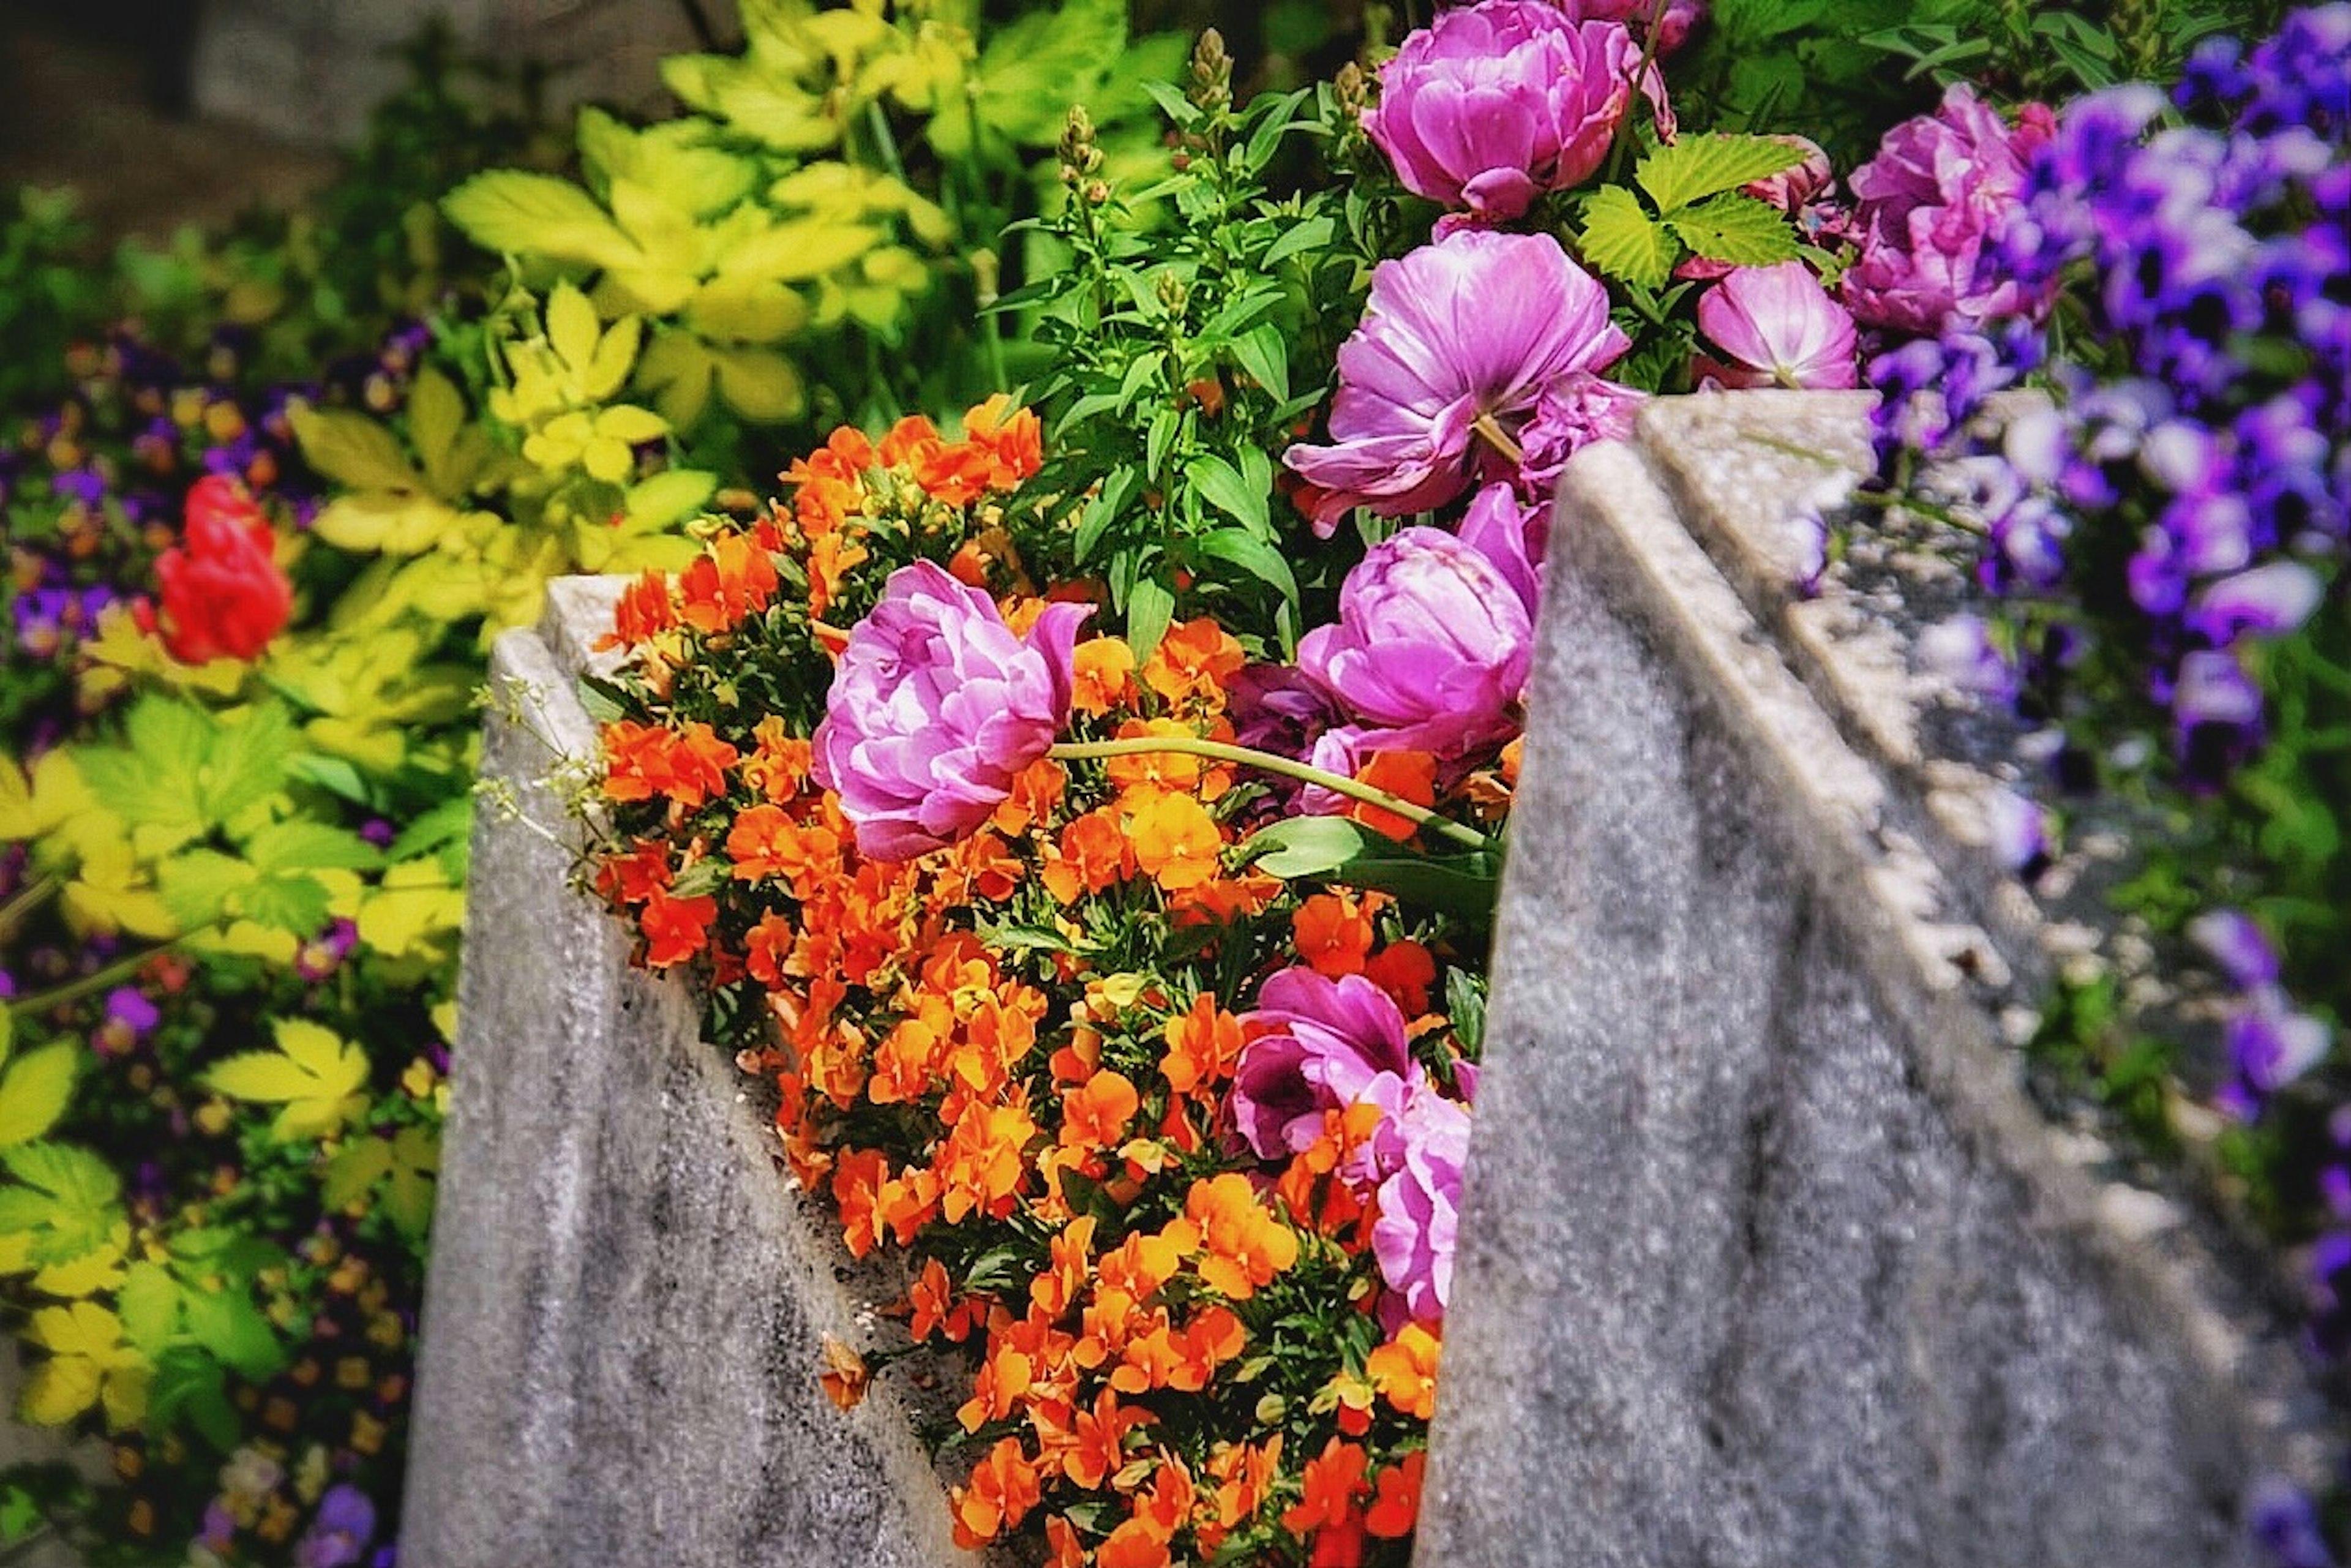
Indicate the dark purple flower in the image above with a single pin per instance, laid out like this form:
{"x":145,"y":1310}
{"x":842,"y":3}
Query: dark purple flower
{"x":2284,"y":1519}
{"x":340,"y":1532}
{"x":1315,"y":1045}
{"x":2244,"y":953}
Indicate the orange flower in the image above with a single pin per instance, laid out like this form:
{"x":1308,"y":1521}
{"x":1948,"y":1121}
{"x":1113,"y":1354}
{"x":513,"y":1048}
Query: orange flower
{"x":1405,"y":1372}
{"x":1035,"y":793}
{"x":645,"y":612}
{"x":1243,"y":1245}
{"x":1002,"y":1490}
{"x":831,"y":556}
{"x":1056,"y":1289}
{"x":1332,"y":1481}
{"x":1409,"y":775}
{"x":1406,"y":973}
{"x":845,"y":1376}
{"x":1333,"y":932}
{"x":1061,"y":1540}
{"x":1392,"y":1517}
{"x":675,"y":928}
{"x":1094,"y":853}
{"x":1013,"y":438}
{"x":1137,"y":1543}
{"x":1177,"y":770}
{"x":1095,"y":1114}
{"x":1176,"y":841}
{"x":1203,"y":1045}
{"x":764,"y":949}
{"x":1002,"y":1383}
{"x":779,"y":763}
{"x":1098,"y":1449}
{"x":857,"y":1178}
{"x":636,"y":873}
{"x":908,"y":441}
{"x":1244,"y":1474}
{"x":1103,"y":677}
{"x":1193,"y":663}
{"x":642,"y":761}
{"x":732,"y":579}
{"x":980,"y":1164}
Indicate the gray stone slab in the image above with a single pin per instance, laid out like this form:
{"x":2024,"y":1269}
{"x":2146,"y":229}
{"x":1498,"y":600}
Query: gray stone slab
{"x":626,"y":1302}
{"x":1766,"y":1257}
{"x":311,"y":70}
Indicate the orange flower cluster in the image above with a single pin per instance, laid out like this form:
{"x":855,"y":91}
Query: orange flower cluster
{"x":992,"y":1057}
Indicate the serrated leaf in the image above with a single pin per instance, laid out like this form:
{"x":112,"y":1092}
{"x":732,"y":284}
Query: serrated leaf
{"x":518,"y":214}
{"x":196,"y":887}
{"x":355,"y":451}
{"x":304,"y":845}
{"x":65,"y":1200}
{"x":1702,"y":165}
{"x":1624,"y":242}
{"x":149,"y":1303}
{"x":1736,"y":229}
{"x":247,"y":763}
{"x":35,"y":1089}
{"x":350,"y":1174}
{"x":298,"y":906}
{"x":228,"y":1323}
{"x":314,"y":1074}
{"x":192,"y":1387}
{"x":800,"y":250}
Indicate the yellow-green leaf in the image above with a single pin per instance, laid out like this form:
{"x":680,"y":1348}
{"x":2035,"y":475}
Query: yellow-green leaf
{"x":746,"y":311}
{"x":572,"y":330}
{"x":760,"y":385}
{"x":314,"y":1074}
{"x":521,"y":213}
{"x":35,"y":1089}
{"x":32,"y":804}
{"x":1622,"y":241}
{"x":354,"y":450}
{"x":802,"y":249}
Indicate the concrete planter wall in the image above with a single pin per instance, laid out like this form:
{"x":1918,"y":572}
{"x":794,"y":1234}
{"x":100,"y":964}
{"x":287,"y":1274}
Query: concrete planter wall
{"x":1766,"y":1259}
{"x":310,"y":70}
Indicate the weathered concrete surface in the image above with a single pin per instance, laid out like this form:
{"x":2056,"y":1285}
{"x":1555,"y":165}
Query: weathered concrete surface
{"x":1766,"y":1258}
{"x":623,"y":1317}
{"x":310,"y":70}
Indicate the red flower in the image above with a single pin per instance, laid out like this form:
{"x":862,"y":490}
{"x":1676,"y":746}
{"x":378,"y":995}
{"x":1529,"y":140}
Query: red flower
{"x":224,"y":596}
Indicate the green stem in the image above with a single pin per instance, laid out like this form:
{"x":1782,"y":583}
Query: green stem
{"x":28,"y":898}
{"x":885,"y":141}
{"x":1633,"y":100}
{"x":121,"y":969}
{"x":1221,"y":751}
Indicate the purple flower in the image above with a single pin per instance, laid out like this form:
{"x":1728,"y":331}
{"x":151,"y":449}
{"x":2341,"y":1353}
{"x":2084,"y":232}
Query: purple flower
{"x":1960,"y":652}
{"x":1779,"y":328}
{"x":1432,"y":645}
{"x":1316,"y":1045}
{"x":1458,"y":346}
{"x":340,"y":1532}
{"x":1929,"y":209}
{"x":324,"y":953}
{"x":937,"y":707}
{"x":130,"y":1018}
{"x":1413,"y":1240}
{"x":2284,"y":1519}
{"x":2244,"y":953}
{"x":2270,"y":1046}
{"x":2268,"y":600}
{"x":1495,"y":104}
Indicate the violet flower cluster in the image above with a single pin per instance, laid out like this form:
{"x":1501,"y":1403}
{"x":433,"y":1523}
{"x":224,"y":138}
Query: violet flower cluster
{"x":2179,"y":508}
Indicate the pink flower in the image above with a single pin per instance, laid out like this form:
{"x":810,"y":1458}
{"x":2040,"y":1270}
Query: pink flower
{"x":1928,"y":209}
{"x":1431,"y":649}
{"x":1779,"y":328}
{"x":1324,"y":1045}
{"x":1419,"y":1207}
{"x":1674,"y":27}
{"x":1459,"y":343}
{"x":937,"y":707}
{"x":1495,"y":104}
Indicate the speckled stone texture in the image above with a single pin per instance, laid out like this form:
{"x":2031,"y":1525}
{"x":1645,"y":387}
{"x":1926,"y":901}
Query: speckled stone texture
{"x":1766,"y":1259}
{"x":311,"y":70}
{"x":623,"y":1316}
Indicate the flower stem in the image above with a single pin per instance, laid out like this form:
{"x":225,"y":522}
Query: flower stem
{"x":1249,"y":757}
{"x":1499,"y":439}
{"x":121,"y":969}
{"x":28,"y":898}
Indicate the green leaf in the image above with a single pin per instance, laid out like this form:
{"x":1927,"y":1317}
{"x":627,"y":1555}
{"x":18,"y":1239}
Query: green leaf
{"x":1311,"y":233}
{"x":1264,"y":353}
{"x":1736,"y":229}
{"x":451,"y":819}
{"x":148,"y":1301}
{"x":65,"y":1202}
{"x":1033,"y":68}
{"x":1102,"y":511}
{"x":1222,"y":487}
{"x":35,"y":1089}
{"x":355,"y":451}
{"x":1253,"y":555}
{"x":298,"y":906}
{"x":191,"y":1389}
{"x":1624,"y":242}
{"x":304,"y":845}
{"x":1699,"y":167}
{"x":518,"y":214}
{"x":1156,"y":440}
{"x":1150,"y":608}
{"x":233,"y":1329}
{"x":196,"y":887}
{"x":247,"y":763}
{"x":1306,"y":846}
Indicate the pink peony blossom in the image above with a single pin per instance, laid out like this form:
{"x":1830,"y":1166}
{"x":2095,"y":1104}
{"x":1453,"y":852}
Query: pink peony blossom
{"x":1317,"y":1045}
{"x":1459,"y":344}
{"x":937,"y":707}
{"x":1928,"y":209}
{"x":1495,"y":104}
{"x":1779,"y":328}
{"x":1419,"y":1209}
{"x":1680,"y":18}
{"x":1431,"y":649}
